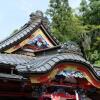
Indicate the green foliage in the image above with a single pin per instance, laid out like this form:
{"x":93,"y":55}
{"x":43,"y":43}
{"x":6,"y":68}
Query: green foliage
{"x":84,"y":10}
{"x":65,"y":25}
{"x":93,"y":53}
{"x":83,"y":27}
{"x":97,"y":63}
{"x":90,"y":13}
{"x":94,"y":12}
{"x":90,"y":18}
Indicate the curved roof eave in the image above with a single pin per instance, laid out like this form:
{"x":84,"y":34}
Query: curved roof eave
{"x":20,"y":35}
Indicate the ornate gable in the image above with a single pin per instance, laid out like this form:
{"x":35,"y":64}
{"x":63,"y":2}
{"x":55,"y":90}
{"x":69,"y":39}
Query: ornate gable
{"x":33,"y":36}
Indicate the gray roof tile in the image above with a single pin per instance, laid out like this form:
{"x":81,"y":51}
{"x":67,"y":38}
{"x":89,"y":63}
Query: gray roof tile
{"x":55,"y":59}
{"x":48,"y":62}
{"x":60,"y":57}
{"x":51,"y":62}
{"x":47,"y":66}
{"x":14,"y":59}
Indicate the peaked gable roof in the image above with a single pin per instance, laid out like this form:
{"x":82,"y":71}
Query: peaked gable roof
{"x":37,"y":20}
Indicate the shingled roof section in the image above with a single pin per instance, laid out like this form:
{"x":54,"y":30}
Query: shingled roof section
{"x":14,"y":59}
{"x":47,"y":63}
{"x":36,"y":20}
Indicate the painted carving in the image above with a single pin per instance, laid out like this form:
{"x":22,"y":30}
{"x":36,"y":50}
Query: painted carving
{"x":37,"y":43}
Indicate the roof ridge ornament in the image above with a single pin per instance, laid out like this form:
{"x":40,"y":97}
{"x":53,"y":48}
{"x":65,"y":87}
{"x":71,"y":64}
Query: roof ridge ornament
{"x":39,"y":15}
{"x":70,"y":47}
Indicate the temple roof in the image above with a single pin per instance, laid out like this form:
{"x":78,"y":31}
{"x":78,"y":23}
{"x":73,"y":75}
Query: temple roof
{"x":36,"y":20}
{"x":24,"y":64}
{"x":19,"y":35}
{"x":43,"y":64}
{"x":45,"y":59}
{"x":46,"y":63}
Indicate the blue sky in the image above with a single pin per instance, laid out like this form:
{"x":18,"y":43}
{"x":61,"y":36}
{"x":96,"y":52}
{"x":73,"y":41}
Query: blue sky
{"x":15,"y":13}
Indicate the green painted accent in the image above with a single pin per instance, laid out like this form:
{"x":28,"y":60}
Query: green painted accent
{"x":70,"y":68}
